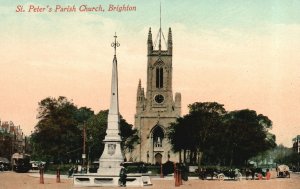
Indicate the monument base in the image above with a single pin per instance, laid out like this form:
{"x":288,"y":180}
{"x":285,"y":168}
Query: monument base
{"x":111,"y":158}
{"x":135,"y":180}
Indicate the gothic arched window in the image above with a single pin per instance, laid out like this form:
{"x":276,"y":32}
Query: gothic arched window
{"x":159,"y":77}
{"x":158,"y":136}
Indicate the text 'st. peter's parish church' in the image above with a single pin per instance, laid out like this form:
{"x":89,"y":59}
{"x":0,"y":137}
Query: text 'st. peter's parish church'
{"x":157,"y":109}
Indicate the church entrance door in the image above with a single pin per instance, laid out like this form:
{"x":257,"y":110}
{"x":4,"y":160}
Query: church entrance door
{"x":158,"y":158}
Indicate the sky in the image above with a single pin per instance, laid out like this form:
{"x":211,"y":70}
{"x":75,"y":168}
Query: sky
{"x":243,"y":54}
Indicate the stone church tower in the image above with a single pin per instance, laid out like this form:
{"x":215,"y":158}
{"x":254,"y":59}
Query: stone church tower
{"x":156,"y":109}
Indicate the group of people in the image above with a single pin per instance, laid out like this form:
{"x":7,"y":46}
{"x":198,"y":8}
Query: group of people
{"x":258,"y":173}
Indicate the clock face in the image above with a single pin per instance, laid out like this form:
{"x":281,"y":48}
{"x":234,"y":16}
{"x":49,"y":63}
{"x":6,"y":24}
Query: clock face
{"x":159,"y":98}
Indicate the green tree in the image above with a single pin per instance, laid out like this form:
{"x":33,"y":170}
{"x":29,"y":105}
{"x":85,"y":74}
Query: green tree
{"x":96,"y":131}
{"x":58,"y":135}
{"x":178,"y":136}
{"x":245,"y":135}
{"x":196,"y":130}
{"x":216,"y":137}
{"x":129,"y":136}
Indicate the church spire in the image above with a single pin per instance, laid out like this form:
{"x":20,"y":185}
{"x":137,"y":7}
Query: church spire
{"x":170,"y":42}
{"x":150,"y":43}
{"x":139,"y":90}
{"x":140,"y":97}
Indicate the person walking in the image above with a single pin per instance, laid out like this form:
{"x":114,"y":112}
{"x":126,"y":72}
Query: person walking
{"x":123,"y":177}
{"x":268,"y":175}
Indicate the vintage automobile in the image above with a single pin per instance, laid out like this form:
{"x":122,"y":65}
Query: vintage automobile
{"x":35,"y":165}
{"x":234,"y":174}
{"x":283,"y":171}
{"x":206,"y":173}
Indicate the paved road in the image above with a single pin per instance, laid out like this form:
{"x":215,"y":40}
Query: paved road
{"x":11,"y":180}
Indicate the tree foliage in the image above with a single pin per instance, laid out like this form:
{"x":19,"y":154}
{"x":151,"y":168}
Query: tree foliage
{"x":220,"y":137}
{"x":196,"y":130}
{"x":58,"y":135}
{"x":246,"y":134}
{"x":96,"y":131}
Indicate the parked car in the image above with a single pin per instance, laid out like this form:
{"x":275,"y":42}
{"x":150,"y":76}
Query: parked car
{"x":234,"y":174}
{"x":283,"y":171}
{"x":35,"y":165}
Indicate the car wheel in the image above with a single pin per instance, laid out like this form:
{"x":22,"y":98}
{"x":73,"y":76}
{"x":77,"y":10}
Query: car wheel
{"x":221,"y":177}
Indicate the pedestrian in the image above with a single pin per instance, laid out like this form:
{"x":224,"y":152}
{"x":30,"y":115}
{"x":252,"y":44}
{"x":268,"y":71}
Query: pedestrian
{"x":248,"y":173}
{"x":71,"y":171}
{"x":79,"y":169}
{"x":184,"y":172}
{"x":253,"y":173}
{"x":123,"y":177}
{"x":268,"y":175}
{"x":259,"y":176}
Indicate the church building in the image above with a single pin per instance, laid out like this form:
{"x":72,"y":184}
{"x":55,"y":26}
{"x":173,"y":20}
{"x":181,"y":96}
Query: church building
{"x":156,"y":108}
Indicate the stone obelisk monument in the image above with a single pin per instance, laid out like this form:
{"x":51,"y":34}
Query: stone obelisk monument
{"x":112,"y":157}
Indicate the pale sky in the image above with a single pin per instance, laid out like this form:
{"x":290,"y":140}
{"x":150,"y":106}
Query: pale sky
{"x":243,"y":54}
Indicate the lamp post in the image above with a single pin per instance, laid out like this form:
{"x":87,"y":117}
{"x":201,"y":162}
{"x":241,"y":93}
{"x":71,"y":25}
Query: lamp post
{"x":89,"y":155}
{"x":83,"y":151}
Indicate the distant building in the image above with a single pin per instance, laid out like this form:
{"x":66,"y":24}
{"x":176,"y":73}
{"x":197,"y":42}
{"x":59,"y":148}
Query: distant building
{"x":12,"y":139}
{"x":296,"y":144}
